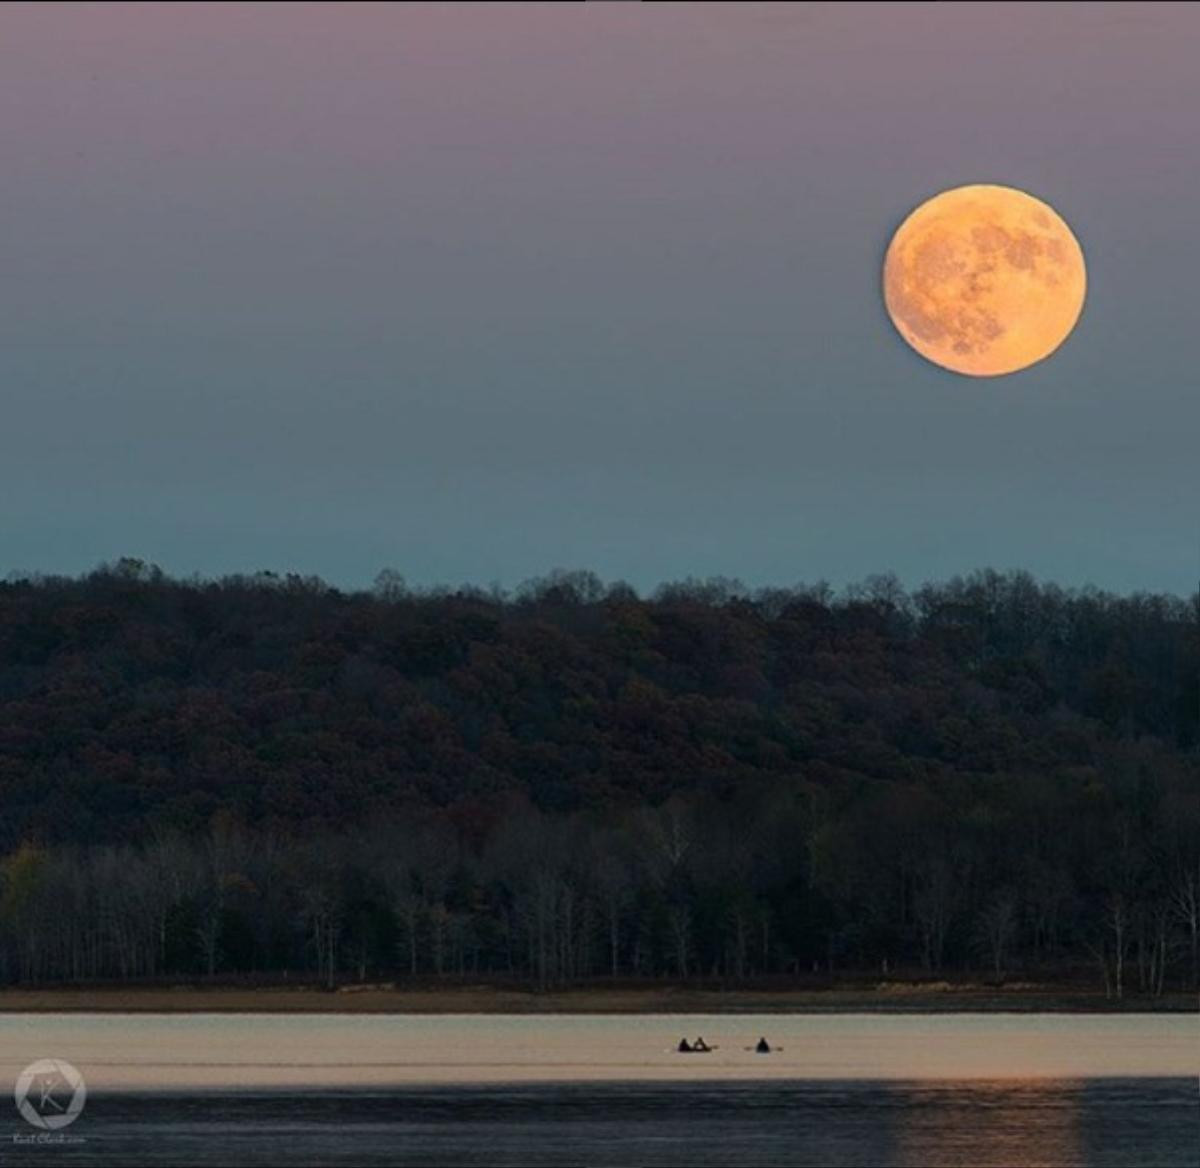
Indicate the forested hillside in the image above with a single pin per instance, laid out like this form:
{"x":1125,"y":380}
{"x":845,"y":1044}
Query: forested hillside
{"x":264,"y":773}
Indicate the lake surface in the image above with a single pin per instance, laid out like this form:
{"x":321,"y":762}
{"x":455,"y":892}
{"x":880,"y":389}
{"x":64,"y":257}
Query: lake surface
{"x":563,"y":1089}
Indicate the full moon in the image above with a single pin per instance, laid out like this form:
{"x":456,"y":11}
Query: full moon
{"x":984,"y":280}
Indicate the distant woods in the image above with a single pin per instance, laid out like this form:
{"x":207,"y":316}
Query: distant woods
{"x":266,"y":776}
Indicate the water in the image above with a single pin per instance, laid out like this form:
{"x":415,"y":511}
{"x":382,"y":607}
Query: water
{"x":391,"y":1089}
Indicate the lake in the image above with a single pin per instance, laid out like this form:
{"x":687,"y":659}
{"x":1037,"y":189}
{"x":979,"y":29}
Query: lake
{"x":887,"y":1089}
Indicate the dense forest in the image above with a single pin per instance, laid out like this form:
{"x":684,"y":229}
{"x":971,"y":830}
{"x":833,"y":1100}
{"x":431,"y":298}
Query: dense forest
{"x":267,"y":776}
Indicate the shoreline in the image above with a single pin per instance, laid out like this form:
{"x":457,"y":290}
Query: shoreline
{"x":890,"y":998}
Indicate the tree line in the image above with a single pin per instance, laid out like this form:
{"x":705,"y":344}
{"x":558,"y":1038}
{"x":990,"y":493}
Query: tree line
{"x":1071,"y":881}
{"x":266,"y":776}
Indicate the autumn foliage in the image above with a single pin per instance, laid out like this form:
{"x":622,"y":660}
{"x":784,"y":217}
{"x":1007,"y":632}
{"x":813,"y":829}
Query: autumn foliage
{"x":880,"y":772}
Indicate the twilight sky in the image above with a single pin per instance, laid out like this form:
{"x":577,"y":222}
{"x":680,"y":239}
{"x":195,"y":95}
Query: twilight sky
{"x":477,"y":292}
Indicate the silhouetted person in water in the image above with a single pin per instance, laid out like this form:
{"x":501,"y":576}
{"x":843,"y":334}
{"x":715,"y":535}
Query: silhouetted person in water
{"x":683,"y":1047}
{"x":701,"y":1045}
{"x":762,"y":1047}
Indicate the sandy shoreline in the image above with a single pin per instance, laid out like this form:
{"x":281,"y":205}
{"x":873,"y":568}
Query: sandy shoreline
{"x":482,"y":999}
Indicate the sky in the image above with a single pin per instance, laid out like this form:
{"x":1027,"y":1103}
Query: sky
{"x":474,"y":292}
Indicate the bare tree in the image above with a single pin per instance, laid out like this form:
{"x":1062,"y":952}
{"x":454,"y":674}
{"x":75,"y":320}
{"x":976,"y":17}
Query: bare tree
{"x":323,"y":915}
{"x":679,"y":917}
{"x":996,"y":928}
{"x":613,"y":887}
{"x":1110,"y":944}
{"x":1185,"y":900}
{"x":933,"y":907}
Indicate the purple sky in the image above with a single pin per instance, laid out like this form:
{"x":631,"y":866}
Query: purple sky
{"x":479,"y":291}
